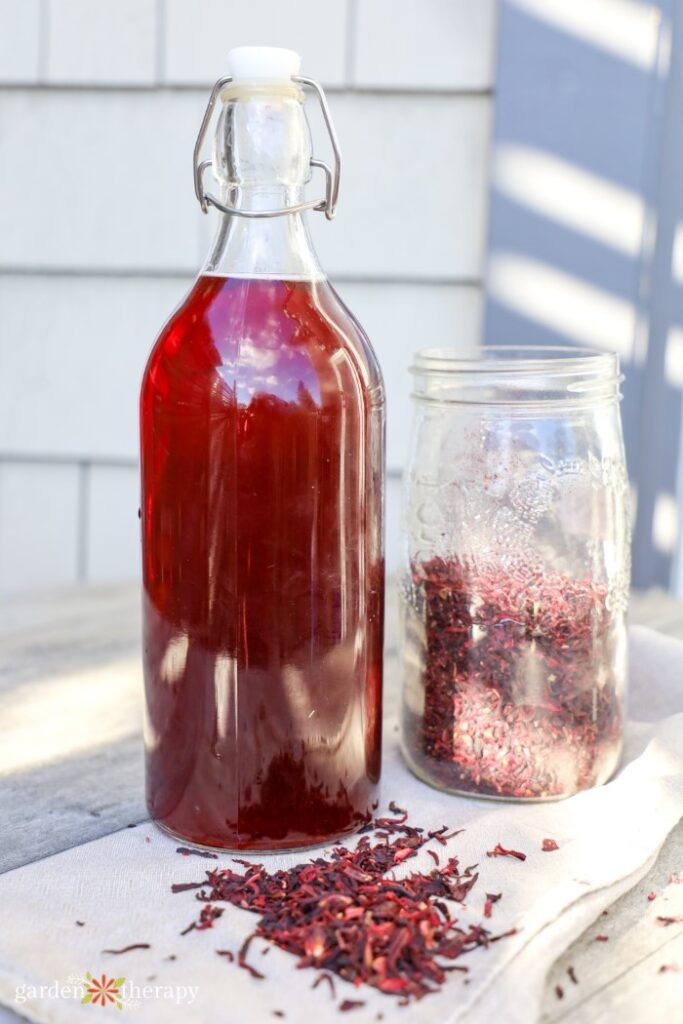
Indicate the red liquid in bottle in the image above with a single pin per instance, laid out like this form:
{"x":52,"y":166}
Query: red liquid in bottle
{"x":262,"y":452}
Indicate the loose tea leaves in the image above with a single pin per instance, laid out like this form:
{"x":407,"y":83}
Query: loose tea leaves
{"x":347,"y":915}
{"x":517,"y":692}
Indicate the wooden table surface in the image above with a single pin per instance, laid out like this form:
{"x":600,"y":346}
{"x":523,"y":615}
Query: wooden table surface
{"x":71,"y":770}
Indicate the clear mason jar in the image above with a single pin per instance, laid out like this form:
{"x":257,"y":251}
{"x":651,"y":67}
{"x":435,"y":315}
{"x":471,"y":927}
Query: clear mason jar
{"x":515,"y":572}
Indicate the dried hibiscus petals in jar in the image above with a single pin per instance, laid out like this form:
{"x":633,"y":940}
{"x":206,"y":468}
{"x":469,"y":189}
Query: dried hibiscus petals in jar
{"x":515,"y":688}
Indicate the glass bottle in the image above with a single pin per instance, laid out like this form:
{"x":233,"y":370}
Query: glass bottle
{"x":515,"y":572}
{"x":262,"y":447}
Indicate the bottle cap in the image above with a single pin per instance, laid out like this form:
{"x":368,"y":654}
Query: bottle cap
{"x":263,"y":64}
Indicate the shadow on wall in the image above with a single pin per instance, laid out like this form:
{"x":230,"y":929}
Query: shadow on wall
{"x":586,"y":220}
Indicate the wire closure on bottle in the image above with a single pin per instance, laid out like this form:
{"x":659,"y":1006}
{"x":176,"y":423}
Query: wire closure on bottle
{"x":328,"y":205}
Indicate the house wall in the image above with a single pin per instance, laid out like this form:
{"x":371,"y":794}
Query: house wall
{"x":101,"y":235}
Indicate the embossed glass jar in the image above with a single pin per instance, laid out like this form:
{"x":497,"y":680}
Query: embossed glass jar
{"x":515,"y":572}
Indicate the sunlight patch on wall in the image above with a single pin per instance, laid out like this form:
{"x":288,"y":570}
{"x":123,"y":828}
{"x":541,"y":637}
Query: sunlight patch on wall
{"x":633,"y":504}
{"x":625,"y":28}
{"x":677,"y":255}
{"x":665,"y":523}
{"x":564,"y":192}
{"x":673,"y":357}
{"x":563,"y":303}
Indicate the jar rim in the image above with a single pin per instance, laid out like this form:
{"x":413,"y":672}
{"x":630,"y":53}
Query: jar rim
{"x":514,"y":359}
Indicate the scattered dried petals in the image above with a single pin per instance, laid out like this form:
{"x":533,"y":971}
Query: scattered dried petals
{"x":347,"y":914}
{"x":572,"y":975}
{"x":500,"y":851}
{"x":652,"y":896}
{"x":559,"y":992}
{"x":127,"y":949}
{"x":491,"y":898}
{"x":669,"y":968}
{"x":242,"y":958}
{"x":549,"y":845}
{"x":330,"y":981}
{"x":602,"y":938}
{"x":665,"y":921}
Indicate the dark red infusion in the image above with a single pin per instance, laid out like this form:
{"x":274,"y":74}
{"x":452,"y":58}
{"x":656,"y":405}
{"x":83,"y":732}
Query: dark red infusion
{"x":262,"y":497}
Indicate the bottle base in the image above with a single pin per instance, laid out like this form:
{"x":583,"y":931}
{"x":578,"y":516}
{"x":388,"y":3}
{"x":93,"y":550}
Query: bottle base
{"x":292,"y":846}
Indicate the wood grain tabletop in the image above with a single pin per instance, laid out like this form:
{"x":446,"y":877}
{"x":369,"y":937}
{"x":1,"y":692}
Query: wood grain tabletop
{"x":71,"y":770}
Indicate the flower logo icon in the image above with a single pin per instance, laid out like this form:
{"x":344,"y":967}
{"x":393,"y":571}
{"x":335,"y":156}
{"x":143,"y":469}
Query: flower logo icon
{"x":103,"y":991}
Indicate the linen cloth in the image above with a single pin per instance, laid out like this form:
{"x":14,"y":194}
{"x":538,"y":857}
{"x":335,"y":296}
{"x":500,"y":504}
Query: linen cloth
{"x":119,"y":888}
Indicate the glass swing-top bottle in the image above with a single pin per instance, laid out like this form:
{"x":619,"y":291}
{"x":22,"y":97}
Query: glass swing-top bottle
{"x":262,"y":448}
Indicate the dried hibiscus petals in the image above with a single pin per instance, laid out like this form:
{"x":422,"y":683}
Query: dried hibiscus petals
{"x":491,"y":898}
{"x":513,"y":683}
{"x":128,"y":949}
{"x":500,"y":851}
{"x":348,"y":915}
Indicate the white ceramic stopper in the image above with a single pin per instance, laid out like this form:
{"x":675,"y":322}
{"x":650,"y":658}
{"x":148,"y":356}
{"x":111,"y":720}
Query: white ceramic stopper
{"x":263,"y":64}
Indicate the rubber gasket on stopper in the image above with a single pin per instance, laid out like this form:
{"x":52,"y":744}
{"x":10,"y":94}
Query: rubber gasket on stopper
{"x":263,"y":64}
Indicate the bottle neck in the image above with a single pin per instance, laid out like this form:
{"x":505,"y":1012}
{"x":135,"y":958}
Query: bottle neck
{"x":264,"y":247}
{"x":262,"y":162}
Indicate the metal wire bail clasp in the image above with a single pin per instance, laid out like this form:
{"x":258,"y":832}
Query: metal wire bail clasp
{"x":328,"y":205}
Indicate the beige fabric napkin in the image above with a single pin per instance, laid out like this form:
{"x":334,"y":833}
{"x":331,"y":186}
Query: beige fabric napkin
{"x":119,"y":887}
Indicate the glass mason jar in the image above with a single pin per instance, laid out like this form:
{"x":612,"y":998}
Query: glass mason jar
{"x":515,"y":572}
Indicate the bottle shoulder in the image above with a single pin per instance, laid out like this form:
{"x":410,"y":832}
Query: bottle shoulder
{"x":264,"y":335}
{"x":351,"y":326}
